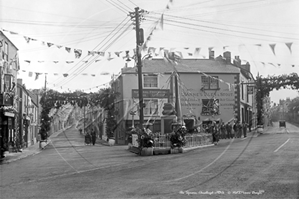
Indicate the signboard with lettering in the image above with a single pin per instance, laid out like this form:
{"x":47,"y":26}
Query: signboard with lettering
{"x":250,"y":90}
{"x":152,"y":93}
{"x":134,"y":140}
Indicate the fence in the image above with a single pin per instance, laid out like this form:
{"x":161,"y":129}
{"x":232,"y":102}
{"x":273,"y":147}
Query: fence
{"x":193,"y":140}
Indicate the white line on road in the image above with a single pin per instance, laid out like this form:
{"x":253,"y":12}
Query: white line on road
{"x":281,"y":145}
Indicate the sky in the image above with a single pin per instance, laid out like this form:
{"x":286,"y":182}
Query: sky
{"x":263,"y":32}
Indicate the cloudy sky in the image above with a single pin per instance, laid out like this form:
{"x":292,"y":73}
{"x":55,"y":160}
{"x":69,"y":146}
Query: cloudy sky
{"x":262,"y":32}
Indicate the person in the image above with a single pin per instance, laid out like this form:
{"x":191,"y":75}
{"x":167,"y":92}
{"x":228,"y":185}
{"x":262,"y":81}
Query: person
{"x":249,"y":126}
{"x":93,"y":134}
{"x":245,"y":129}
{"x":240,"y":129}
{"x":228,"y":129}
{"x":223,"y":131}
{"x":235,"y":129}
{"x":215,"y":133}
{"x":87,"y":138}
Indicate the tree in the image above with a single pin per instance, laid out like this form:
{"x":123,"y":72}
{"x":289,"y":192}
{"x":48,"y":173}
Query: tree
{"x":265,"y":85}
{"x":107,"y":101}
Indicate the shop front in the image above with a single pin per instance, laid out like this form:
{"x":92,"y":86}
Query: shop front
{"x":8,"y":134}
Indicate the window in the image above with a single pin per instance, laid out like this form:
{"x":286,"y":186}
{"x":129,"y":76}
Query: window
{"x":7,"y":82}
{"x":5,"y":54}
{"x":151,"y":107}
{"x":210,"y":83}
{"x":242,"y":86}
{"x":210,"y":107}
{"x":150,"y":81}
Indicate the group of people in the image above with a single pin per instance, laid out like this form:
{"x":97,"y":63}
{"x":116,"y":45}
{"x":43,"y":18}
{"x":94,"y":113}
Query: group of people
{"x":227,"y":131}
{"x":90,"y":136}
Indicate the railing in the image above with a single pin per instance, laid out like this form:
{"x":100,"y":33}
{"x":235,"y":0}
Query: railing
{"x":193,"y":140}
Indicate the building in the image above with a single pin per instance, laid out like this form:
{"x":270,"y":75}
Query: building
{"x":9,"y":66}
{"x":28,"y":110}
{"x":209,"y":89}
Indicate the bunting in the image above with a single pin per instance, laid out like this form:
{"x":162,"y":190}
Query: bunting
{"x":273,"y":48}
{"x":78,"y":53}
{"x":289,"y":45}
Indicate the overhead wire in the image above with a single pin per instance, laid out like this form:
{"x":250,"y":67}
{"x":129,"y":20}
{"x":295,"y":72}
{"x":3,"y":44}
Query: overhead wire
{"x":82,"y":67}
{"x":178,"y":24}
{"x":227,"y":25}
{"x":117,"y":6}
{"x":223,"y":29}
{"x":104,"y":39}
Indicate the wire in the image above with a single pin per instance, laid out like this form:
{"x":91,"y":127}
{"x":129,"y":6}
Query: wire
{"x":233,"y":35}
{"x":82,"y":68}
{"x":213,"y":22}
{"x":223,"y":29}
{"x":106,"y":38}
{"x":117,"y":6}
{"x":87,"y":65}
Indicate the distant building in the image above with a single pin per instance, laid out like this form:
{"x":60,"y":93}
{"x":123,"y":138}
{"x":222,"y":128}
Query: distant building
{"x":28,"y":116}
{"x":209,"y":89}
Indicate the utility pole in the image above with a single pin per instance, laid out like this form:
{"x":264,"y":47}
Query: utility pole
{"x":137,"y":17}
{"x":45,"y":82}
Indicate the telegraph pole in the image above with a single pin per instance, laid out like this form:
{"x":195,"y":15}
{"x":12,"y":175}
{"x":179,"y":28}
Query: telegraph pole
{"x":137,"y":17}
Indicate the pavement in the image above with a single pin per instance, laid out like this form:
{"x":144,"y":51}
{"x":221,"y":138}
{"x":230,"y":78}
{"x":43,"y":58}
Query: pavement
{"x":34,"y":149}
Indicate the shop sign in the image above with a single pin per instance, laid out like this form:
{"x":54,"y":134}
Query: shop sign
{"x":9,"y":114}
{"x":152,"y":93}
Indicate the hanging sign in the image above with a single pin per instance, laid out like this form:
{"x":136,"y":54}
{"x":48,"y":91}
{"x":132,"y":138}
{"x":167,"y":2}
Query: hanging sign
{"x":250,"y":90}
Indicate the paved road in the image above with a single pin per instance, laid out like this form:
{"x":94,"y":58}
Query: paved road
{"x":266,"y":166}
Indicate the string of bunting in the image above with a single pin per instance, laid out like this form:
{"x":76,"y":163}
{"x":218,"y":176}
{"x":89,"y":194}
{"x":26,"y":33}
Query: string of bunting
{"x":37,"y":74}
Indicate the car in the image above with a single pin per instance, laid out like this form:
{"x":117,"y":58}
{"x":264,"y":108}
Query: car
{"x":282,"y":123}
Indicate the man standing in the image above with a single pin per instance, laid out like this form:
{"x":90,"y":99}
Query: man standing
{"x":245,"y":129}
{"x":93,"y":134}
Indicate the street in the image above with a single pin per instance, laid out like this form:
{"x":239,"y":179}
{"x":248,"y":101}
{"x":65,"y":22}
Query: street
{"x":265,"y":166}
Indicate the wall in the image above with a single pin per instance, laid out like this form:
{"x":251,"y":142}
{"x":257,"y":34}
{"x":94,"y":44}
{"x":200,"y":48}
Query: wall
{"x":192,"y":96}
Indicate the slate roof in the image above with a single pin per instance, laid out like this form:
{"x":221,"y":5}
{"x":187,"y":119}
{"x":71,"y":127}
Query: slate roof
{"x":185,"y":66}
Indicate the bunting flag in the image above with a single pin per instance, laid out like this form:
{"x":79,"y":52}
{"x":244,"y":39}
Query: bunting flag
{"x":78,"y":53}
{"x":27,"y":61}
{"x":65,"y":75}
{"x":37,"y":75}
{"x":58,"y":46}
{"x":68,"y":49}
{"x":273,"y":48}
{"x":289,"y":45}
{"x":69,"y":62}
{"x":49,"y":44}
{"x":27,"y":39}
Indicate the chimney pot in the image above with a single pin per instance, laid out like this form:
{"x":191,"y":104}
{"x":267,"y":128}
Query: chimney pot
{"x":211,"y":54}
{"x":227,"y":56}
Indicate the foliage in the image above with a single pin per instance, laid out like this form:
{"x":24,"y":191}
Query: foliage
{"x":106,"y":100}
{"x":266,"y":85}
{"x":178,"y":137}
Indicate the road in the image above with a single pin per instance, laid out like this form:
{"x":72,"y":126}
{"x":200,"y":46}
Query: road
{"x":266,"y":166}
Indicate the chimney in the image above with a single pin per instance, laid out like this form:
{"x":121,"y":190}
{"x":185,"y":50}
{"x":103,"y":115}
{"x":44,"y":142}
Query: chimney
{"x":227,"y":56}
{"x":211,"y":54}
{"x":237,"y":62}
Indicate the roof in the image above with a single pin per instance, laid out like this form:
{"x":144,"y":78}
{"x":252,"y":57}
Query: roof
{"x":9,"y":40}
{"x":185,"y":66}
{"x":33,"y":97}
